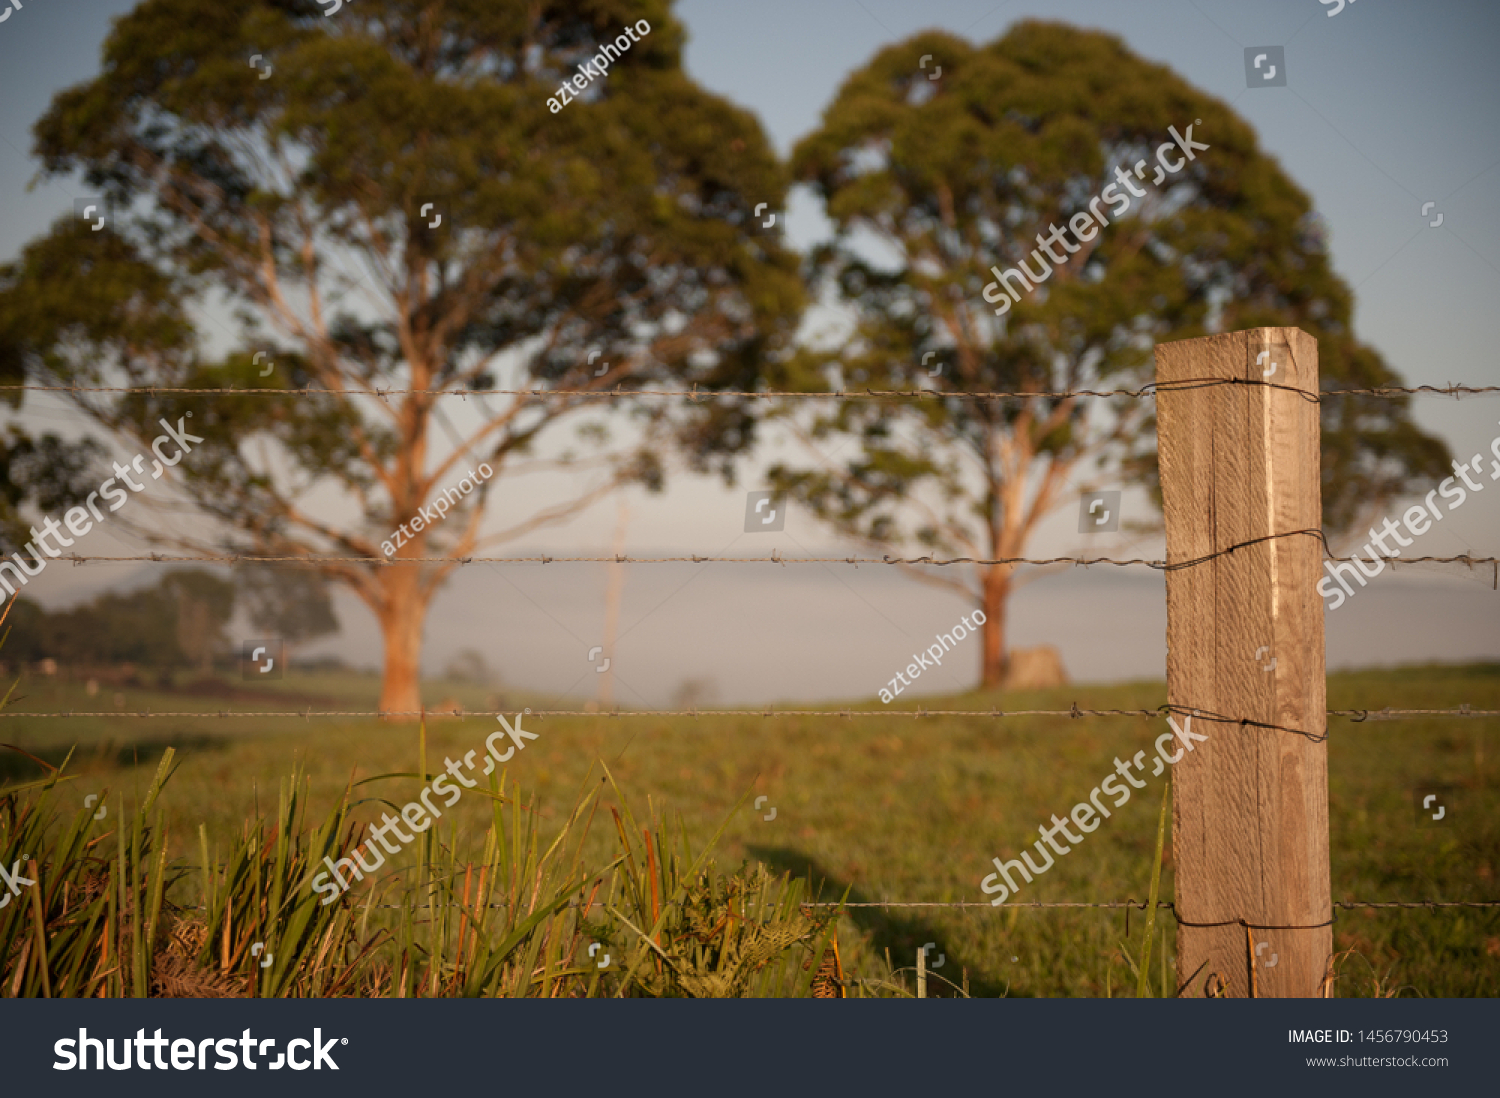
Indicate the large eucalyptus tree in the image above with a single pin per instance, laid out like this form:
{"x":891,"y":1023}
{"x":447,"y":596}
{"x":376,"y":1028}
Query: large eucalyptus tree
{"x":382,"y":198}
{"x":945,"y":166}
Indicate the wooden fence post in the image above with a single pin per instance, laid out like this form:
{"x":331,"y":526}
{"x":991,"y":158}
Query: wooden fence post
{"x":1245,"y":641}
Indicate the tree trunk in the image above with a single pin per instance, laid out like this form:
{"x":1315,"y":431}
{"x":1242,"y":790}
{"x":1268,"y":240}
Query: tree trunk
{"x":402,"y":615}
{"x":994,"y":657}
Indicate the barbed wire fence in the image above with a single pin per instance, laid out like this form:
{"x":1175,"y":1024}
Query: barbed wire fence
{"x":1356,"y":715}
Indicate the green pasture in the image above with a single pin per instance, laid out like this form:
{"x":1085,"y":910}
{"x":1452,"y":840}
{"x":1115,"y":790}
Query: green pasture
{"x":890,"y":808}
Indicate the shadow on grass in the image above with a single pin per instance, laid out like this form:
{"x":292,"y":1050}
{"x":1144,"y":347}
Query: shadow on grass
{"x":109,"y":755}
{"x":888,"y":928}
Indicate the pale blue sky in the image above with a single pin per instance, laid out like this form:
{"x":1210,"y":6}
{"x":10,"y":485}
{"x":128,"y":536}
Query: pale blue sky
{"x":1387,"y":106}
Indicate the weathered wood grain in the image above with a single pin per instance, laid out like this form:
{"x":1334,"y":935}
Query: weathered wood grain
{"x":1250,"y":806}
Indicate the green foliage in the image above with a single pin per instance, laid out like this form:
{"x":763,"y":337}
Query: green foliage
{"x":504,"y":926}
{"x":470,"y":666}
{"x":45,"y":472}
{"x":90,"y":923}
{"x":259,"y":892}
{"x":290,"y":603}
{"x":1142,"y":968}
{"x":513,"y":924}
{"x":930,"y":184}
{"x":688,"y":931}
{"x":615,"y":217}
{"x":180,"y":621}
{"x":204,"y":603}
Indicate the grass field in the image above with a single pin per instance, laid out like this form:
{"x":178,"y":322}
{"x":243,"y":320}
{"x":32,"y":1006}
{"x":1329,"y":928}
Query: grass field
{"x":898,"y":809}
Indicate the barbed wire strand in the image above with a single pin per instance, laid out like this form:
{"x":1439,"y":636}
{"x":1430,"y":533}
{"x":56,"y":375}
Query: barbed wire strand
{"x":695,"y":394}
{"x":1162,"y":905}
{"x":1357,"y":715}
{"x":1168,"y":905}
{"x":1084,"y":562}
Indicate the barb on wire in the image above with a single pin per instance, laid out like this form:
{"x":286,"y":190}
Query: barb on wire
{"x":695,"y":394}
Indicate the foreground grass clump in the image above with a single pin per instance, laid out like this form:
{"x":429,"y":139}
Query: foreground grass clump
{"x":104,"y":912}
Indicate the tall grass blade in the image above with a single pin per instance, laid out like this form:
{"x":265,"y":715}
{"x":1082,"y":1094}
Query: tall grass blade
{"x":1143,"y":971}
